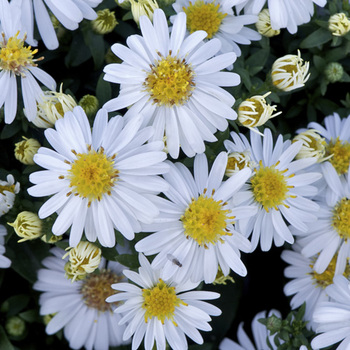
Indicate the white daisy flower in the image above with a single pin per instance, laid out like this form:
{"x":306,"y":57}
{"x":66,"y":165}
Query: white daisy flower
{"x":174,"y":81}
{"x":22,"y":64}
{"x":284,"y":13}
{"x":336,"y":132}
{"x":68,"y":12}
{"x":100,"y":179}
{"x":216,"y":17}
{"x":333,"y":317}
{"x":307,"y":285}
{"x":162,"y":310}
{"x":260,"y":334}
{"x":195,"y":229}
{"x":8,"y":191}
{"x":278,"y":188}
{"x":4,"y":261}
{"x":79,"y":308}
{"x":329,"y":235}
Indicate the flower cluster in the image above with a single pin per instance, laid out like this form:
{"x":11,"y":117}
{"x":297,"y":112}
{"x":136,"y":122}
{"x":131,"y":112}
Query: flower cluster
{"x":186,"y":138}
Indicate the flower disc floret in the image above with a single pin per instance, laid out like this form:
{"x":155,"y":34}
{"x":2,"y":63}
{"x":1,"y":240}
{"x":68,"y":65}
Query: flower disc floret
{"x":341,"y":155}
{"x":160,"y":302}
{"x":92,"y":174}
{"x":325,"y":278}
{"x":269,"y":186}
{"x":205,"y":220}
{"x":170,"y":81}
{"x":341,"y":218}
{"x":96,"y":288}
{"x":14,"y":56}
{"x":204,"y":16}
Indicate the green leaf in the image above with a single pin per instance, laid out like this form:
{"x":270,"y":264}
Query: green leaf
{"x":4,"y":342}
{"x":78,"y":52}
{"x":316,"y":38}
{"x":128,"y":260}
{"x":16,"y":304}
{"x":96,"y":44}
{"x":319,"y":63}
{"x":103,"y":90}
{"x":244,"y":74}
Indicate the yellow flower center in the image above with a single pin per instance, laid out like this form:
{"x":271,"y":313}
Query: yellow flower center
{"x":160,"y":301}
{"x":92,"y":174}
{"x":341,"y":155}
{"x":325,"y":278}
{"x":14,"y":56}
{"x":204,"y":220}
{"x":204,"y":16}
{"x":96,"y":288}
{"x":170,"y":81}
{"x":9,"y":188}
{"x":255,"y":112}
{"x":292,"y":69}
{"x":341,"y":218}
{"x":270,"y":187}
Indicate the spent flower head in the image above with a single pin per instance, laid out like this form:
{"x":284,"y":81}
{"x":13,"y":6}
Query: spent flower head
{"x":290,"y":72}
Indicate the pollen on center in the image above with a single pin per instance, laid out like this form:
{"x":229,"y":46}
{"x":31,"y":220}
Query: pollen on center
{"x":92,"y":174}
{"x":170,"y":81}
{"x":205,"y":220}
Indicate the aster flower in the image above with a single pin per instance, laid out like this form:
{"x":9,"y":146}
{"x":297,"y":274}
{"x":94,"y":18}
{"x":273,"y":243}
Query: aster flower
{"x":263,"y":25}
{"x":174,"y":82}
{"x":290,"y":72}
{"x":5,"y":262}
{"x":100,"y":179}
{"x":339,"y":24}
{"x":162,"y":310}
{"x":8,"y":191}
{"x":307,"y":285}
{"x":278,"y":189}
{"x":336,"y":132}
{"x":22,"y":65}
{"x":195,"y":232}
{"x":216,"y":17}
{"x":69,"y":13}
{"x":284,"y":13}
{"x":260,"y":334}
{"x":329,"y":235}
{"x":333,"y":317}
{"x":79,"y":307}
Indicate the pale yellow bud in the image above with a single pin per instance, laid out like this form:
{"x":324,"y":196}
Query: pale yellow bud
{"x":254,"y":112}
{"x":27,"y":225}
{"x":290,"y":72}
{"x":313,"y":145}
{"x":52,"y":239}
{"x":83,"y":259}
{"x":8,"y":191}
{"x":263,"y":25}
{"x":143,"y":8}
{"x":26,"y":149}
{"x":237,"y":161}
{"x":339,"y":24}
{"x":105,"y":22}
{"x":52,"y":107}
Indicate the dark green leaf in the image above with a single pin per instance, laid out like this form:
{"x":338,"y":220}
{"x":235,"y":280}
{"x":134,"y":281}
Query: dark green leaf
{"x":4,"y":342}
{"x":316,"y":38}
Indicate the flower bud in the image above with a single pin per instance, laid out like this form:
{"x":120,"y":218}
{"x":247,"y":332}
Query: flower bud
{"x":143,"y":8}
{"x":290,"y":72}
{"x":237,"y":161}
{"x":339,"y":24}
{"x":52,"y":107}
{"x":105,"y":22}
{"x":334,"y":72}
{"x":83,"y":259}
{"x":15,"y":326}
{"x":26,"y":149}
{"x":90,"y":104}
{"x":255,"y":112}
{"x":27,"y":225}
{"x":313,"y":145}
{"x":263,"y":25}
